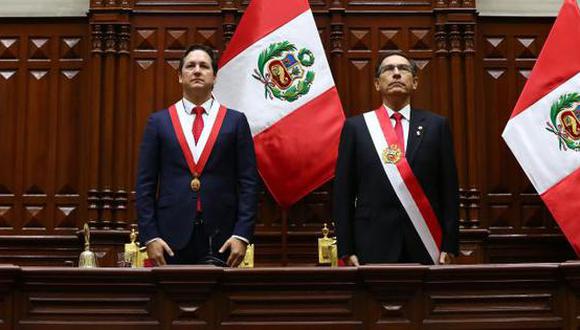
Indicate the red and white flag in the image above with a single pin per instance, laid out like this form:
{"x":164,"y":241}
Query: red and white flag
{"x":544,"y":129}
{"x":275,"y":71}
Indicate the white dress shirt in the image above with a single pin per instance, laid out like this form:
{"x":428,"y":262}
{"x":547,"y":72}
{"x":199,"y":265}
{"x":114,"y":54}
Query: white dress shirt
{"x":405,"y":121}
{"x":187,"y":116}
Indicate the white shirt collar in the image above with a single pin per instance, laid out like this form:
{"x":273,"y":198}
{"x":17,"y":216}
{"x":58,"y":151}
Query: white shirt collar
{"x":406,"y":111}
{"x":188,"y":106}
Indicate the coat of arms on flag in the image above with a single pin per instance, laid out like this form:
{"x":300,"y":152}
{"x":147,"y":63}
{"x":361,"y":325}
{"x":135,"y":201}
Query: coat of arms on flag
{"x":281,"y":69}
{"x":275,"y":71}
{"x":564,"y":121}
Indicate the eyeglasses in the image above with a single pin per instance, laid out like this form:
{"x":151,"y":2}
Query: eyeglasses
{"x":403,"y":68}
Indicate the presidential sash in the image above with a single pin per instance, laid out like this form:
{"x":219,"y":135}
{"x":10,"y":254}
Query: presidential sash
{"x":196,"y":169}
{"x":404,"y":182}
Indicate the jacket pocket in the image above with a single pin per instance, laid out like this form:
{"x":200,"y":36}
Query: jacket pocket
{"x":165,"y":201}
{"x":362,"y":213}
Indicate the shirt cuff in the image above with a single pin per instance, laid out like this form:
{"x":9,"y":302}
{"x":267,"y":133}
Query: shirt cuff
{"x":152,"y":240}
{"x":243,"y":239}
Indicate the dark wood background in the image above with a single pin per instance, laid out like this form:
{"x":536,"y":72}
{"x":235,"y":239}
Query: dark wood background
{"x":75,"y":94}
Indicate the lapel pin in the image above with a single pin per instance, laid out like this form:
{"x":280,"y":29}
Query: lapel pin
{"x":419,"y":130}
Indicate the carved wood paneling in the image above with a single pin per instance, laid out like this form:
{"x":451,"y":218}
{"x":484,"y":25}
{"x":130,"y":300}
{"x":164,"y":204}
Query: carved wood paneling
{"x":366,"y":37}
{"x":526,"y":296}
{"x":8,"y":148}
{"x":131,"y":303}
{"x":75,"y":95}
{"x":509,"y":293}
{"x":44,"y":91}
{"x":510,"y":205}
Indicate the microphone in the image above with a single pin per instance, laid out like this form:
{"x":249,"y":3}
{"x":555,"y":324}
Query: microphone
{"x":210,"y":259}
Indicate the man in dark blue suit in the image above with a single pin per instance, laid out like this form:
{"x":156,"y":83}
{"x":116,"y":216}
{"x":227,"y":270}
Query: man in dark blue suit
{"x":396,"y":190}
{"x":197,"y":179}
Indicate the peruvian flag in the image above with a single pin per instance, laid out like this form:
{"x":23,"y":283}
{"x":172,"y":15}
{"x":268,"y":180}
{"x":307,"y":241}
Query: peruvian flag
{"x":544,"y":129}
{"x":275,"y":71}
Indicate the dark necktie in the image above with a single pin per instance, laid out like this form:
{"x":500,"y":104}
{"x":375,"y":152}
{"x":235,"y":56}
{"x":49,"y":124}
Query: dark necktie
{"x":399,"y":130}
{"x":197,"y":123}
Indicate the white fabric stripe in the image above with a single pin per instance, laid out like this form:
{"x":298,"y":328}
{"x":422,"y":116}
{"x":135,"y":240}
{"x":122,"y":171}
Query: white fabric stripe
{"x":400,"y":187}
{"x":536,"y":149}
{"x":186,"y":122}
{"x":247,"y":94}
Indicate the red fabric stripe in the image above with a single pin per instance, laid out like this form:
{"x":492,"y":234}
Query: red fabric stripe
{"x":197,"y":167}
{"x":411,"y":181}
{"x":559,"y":59}
{"x":298,"y":153}
{"x":211,"y":140}
{"x":260,"y":19}
{"x":181,"y":138}
{"x":563,"y":201}
{"x":193,"y":166}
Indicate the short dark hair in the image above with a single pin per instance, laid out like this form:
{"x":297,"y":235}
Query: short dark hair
{"x":383,"y":56}
{"x":212,"y":53}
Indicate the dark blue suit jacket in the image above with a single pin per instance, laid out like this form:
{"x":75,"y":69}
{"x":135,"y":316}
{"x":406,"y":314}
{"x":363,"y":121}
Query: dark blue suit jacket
{"x":166,"y":205}
{"x":376,"y":228}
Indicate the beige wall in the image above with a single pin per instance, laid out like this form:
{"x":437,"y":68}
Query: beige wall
{"x":23,"y":8}
{"x":43,"y":8}
{"x":518,"y":7}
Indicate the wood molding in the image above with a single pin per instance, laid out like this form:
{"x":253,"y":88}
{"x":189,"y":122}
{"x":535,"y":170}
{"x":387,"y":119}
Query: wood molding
{"x":75,"y":95}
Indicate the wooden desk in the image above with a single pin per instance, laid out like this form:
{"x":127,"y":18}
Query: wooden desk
{"x":522,"y":296}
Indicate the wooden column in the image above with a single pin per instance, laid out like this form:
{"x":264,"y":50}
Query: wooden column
{"x":337,"y":63}
{"x":472,"y":192}
{"x":441,"y":54}
{"x":110,"y":169}
{"x":107,"y":123}
{"x":229,"y":26}
{"x":121,"y":139}
{"x":456,"y":68}
{"x":93,"y":198}
{"x":457,"y":117}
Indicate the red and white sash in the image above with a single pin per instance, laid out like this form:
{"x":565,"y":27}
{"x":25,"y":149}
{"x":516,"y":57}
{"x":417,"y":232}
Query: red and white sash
{"x":405,"y":183}
{"x":196,"y":169}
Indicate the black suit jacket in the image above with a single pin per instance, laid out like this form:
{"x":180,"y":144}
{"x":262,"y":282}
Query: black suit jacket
{"x":370,"y":220}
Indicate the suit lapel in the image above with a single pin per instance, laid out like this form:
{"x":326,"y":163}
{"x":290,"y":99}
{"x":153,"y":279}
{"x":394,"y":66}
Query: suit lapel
{"x":417,"y":128}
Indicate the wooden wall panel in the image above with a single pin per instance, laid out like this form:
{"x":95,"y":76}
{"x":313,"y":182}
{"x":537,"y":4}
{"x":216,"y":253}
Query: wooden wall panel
{"x":506,"y":63}
{"x":37,"y":133}
{"x":69,"y":161}
{"x":8,"y":145}
{"x":366,"y":37}
{"x":44,"y":93}
{"x":75,"y":95}
{"x":510,"y":207}
{"x":8,"y":124}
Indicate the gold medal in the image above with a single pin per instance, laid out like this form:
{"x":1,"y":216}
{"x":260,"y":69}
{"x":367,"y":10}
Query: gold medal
{"x":392,"y":154}
{"x":195,"y":184}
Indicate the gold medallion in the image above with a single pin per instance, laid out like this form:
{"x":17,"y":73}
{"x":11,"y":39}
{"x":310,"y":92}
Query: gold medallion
{"x":195,"y":184}
{"x":392,"y":154}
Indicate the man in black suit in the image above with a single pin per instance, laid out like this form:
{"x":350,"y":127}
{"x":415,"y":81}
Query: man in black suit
{"x":396,"y":146}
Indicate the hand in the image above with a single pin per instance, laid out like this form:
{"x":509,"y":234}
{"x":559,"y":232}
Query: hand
{"x":351,"y":260}
{"x":237,"y":251}
{"x":155,"y":251}
{"x":446,"y":258}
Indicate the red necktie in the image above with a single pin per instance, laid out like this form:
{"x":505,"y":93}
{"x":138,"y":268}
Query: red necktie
{"x":197,"y":123}
{"x":399,"y":130}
